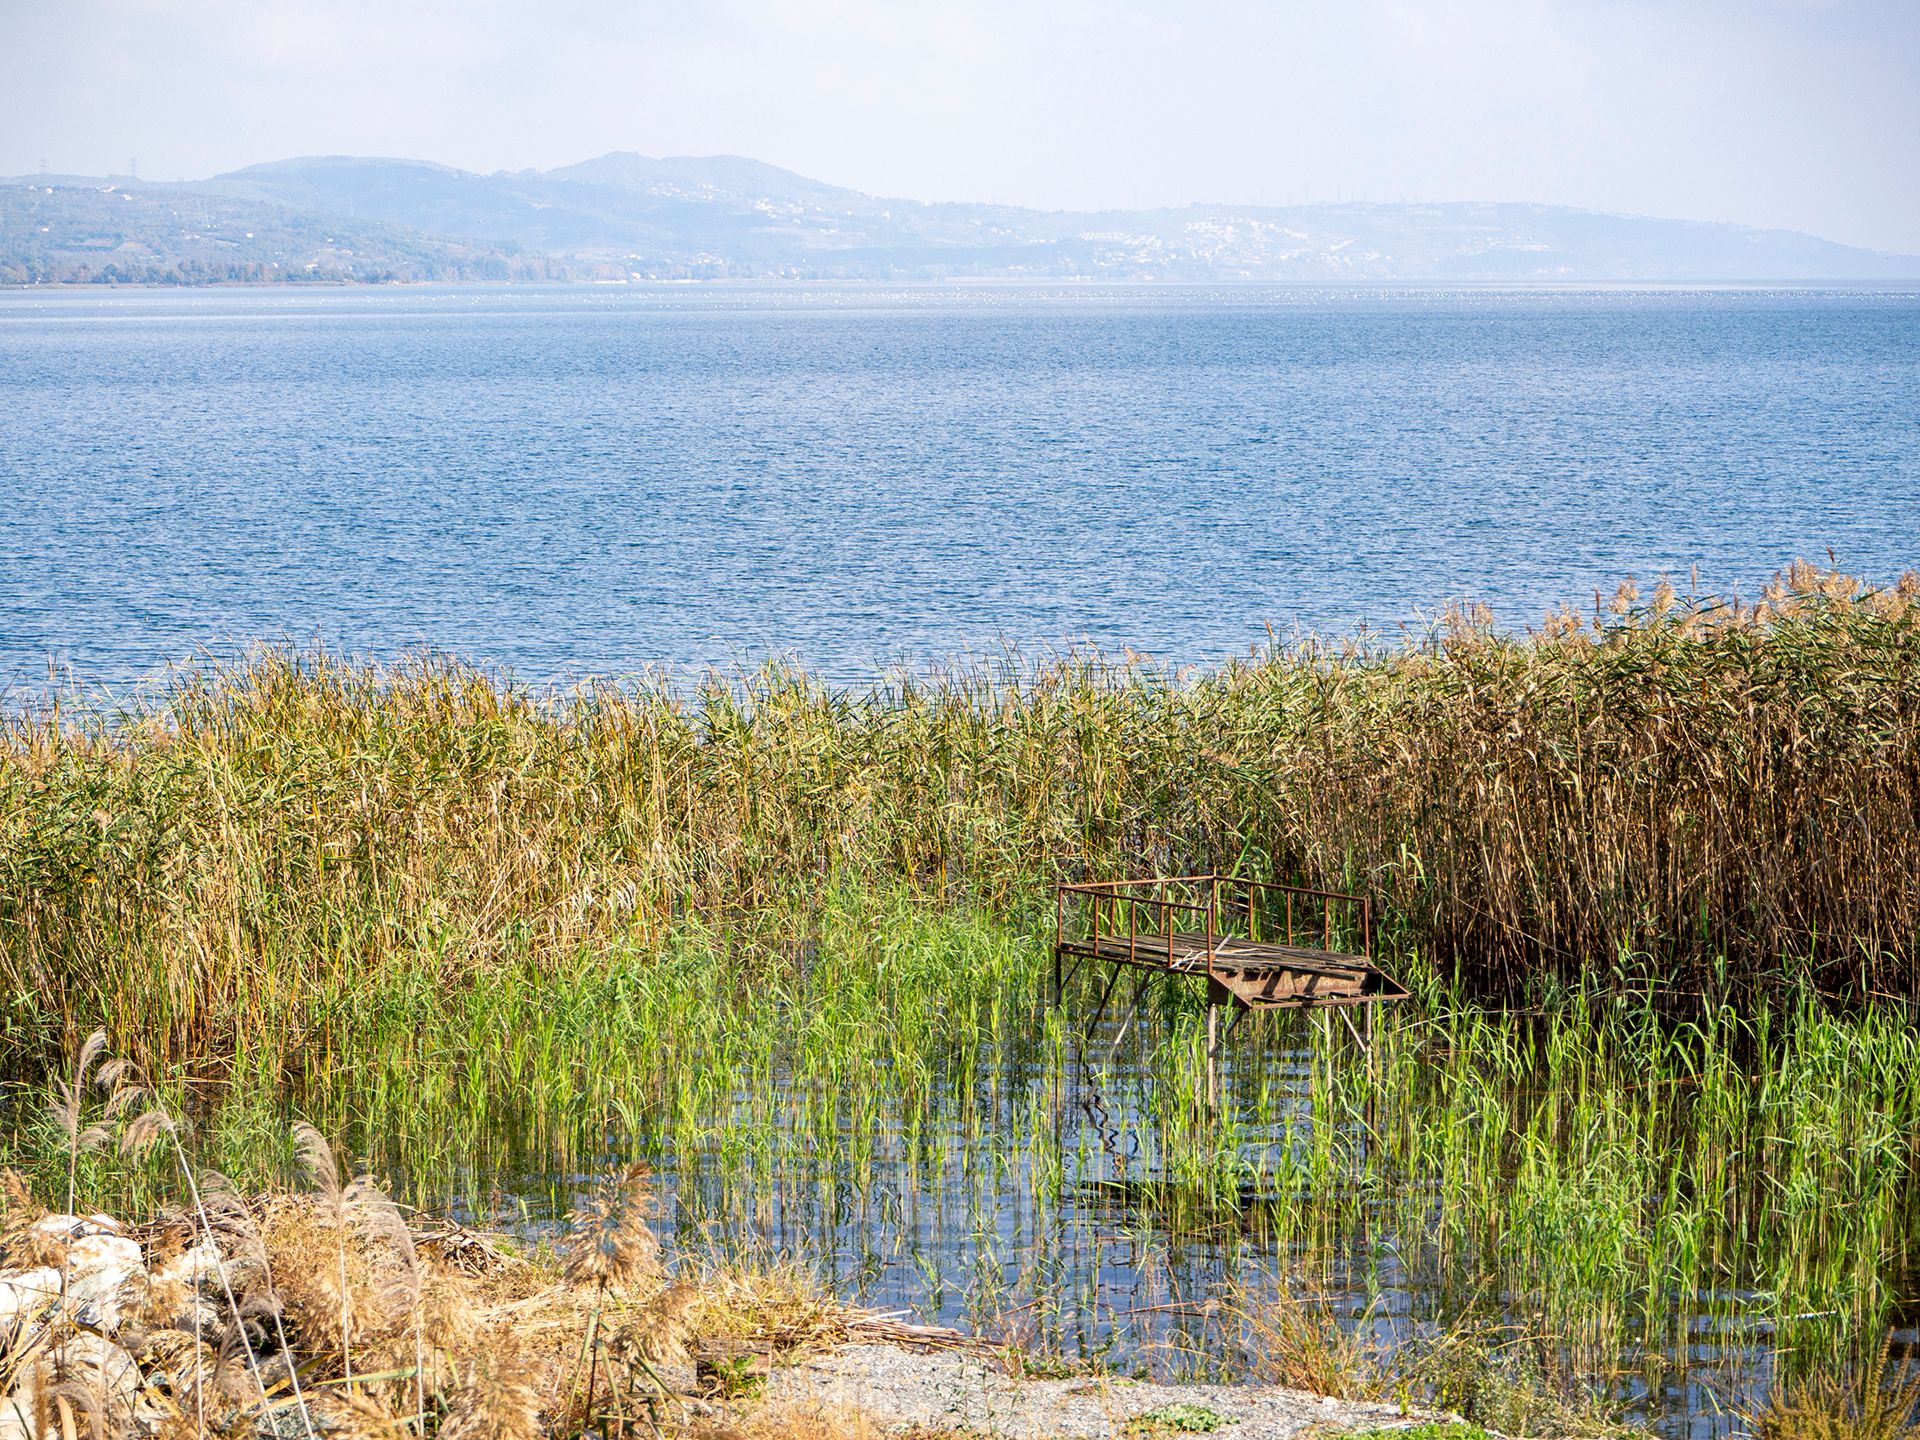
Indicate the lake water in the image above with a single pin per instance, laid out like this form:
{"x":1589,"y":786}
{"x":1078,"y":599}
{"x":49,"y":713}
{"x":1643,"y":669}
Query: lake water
{"x":589,"y":480}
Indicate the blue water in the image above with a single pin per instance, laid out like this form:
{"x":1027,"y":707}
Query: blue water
{"x":576,"y":481}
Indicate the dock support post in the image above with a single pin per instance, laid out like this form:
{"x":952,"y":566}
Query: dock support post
{"x":1101,"y":1009}
{"x":1133,"y":1008}
{"x":1213,"y":1045}
{"x":1373,"y":1078}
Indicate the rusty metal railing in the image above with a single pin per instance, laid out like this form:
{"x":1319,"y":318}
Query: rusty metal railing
{"x":1112,"y":912}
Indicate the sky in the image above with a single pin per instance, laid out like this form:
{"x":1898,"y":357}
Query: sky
{"x":1800,"y":114}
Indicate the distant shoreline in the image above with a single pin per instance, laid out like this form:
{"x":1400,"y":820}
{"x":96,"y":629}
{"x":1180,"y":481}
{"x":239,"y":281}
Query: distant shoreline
{"x":1889,"y":285}
{"x":726,"y":218}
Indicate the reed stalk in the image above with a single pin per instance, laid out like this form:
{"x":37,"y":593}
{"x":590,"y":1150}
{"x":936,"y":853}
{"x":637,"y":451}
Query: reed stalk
{"x":1723,"y":792}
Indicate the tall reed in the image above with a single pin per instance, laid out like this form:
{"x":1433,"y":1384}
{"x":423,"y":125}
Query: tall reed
{"x":1634,"y":1205}
{"x":1727,"y":791}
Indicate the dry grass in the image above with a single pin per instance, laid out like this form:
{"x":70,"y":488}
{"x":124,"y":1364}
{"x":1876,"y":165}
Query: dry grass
{"x":329,"y":1305}
{"x":1871,"y":1402}
{"x":1482,"y":1370}
{"x":1297,"y":1342}
{"x":469,"y":1349}
{"x":1710,"y":785}
{"x":813,"y":1422}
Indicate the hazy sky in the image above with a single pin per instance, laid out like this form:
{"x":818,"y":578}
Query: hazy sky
{"x":1796,"y":113}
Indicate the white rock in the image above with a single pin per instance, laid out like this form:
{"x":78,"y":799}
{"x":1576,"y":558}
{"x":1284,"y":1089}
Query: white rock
{"x":99,"y":1271}
{"x":105,"y":1370}
{"x":24,"y":1293}
{"x":73,"y":1227}
{"x":193,"y":1268}
{"x":99,"y":1276}
{"x":105,"y":1275}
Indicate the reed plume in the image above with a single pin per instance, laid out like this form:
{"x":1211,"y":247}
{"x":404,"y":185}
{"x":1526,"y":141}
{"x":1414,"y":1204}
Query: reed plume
{"x":68,"y":1107}
{"x":499,"y":1401}
{"x":330,"y":1201}
{"x":361,"y":1417}
{"x":397,"y":1277}
{"x":1711,"y":786}
{"x":229,"y":1222}
{"x":71,"y":1390}
{"x":610,"y":1246}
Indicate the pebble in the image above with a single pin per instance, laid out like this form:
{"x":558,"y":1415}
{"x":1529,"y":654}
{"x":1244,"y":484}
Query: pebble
{"x":944,"y":1390}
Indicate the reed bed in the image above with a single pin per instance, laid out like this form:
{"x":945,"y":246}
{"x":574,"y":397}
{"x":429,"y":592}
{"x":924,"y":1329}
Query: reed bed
{"x":1724,"y":794}
{"x":788,"y":944}
{"x":1588,"y":1209}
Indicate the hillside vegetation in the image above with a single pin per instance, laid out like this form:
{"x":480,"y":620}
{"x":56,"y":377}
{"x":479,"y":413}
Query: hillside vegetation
{"x":722,"y":216}
{"x":133,"y":234}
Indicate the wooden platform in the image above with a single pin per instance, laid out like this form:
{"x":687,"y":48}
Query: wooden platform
{"x":1219,"y":929}
{"x":1254,"y":974}
{"x":1222,"y":929}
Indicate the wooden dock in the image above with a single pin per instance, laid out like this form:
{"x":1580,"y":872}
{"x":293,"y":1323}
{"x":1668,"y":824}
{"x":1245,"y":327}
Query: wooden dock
{"x":1249,"y":941}
{"x":1256,"y":976}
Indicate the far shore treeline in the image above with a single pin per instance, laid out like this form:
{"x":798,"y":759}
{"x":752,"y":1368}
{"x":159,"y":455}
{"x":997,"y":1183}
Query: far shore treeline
{"x":1713,"y":798}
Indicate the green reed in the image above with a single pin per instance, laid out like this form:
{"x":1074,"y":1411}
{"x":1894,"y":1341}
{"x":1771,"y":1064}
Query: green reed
{"x":217,"y":869}
{"x":793,"y":944}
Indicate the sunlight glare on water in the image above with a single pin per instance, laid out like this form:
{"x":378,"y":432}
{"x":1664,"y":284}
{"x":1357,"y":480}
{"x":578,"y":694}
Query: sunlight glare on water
{"x":582,"y":481}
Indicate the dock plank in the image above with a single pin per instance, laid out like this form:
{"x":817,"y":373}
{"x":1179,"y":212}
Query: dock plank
{"x":1256,"y":974}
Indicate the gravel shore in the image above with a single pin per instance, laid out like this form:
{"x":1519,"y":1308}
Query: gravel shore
{"x":899,"y":1389}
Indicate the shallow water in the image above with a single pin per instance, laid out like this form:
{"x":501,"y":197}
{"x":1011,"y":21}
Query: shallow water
{"x":591,"y":480}
{"x":1119,"y":1256}
{"x":880,"y":1091}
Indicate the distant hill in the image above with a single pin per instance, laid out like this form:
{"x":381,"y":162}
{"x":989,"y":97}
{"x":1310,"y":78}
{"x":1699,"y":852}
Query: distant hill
{"x":632,"y":216}
{"x":76,"y":231}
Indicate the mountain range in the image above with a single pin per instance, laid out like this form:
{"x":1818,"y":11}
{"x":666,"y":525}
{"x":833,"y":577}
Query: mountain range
{"x":626,"y":216}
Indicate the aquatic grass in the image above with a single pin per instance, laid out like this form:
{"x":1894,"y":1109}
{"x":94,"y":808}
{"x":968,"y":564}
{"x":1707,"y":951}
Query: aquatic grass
{"x":1711,"y":797}
{"x":791,"y":947}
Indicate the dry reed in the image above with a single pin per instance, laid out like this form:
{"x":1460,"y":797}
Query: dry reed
{"x":1730,"y":790}
{"x":1877,"y":1401}
{"x":410,"y":1343}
